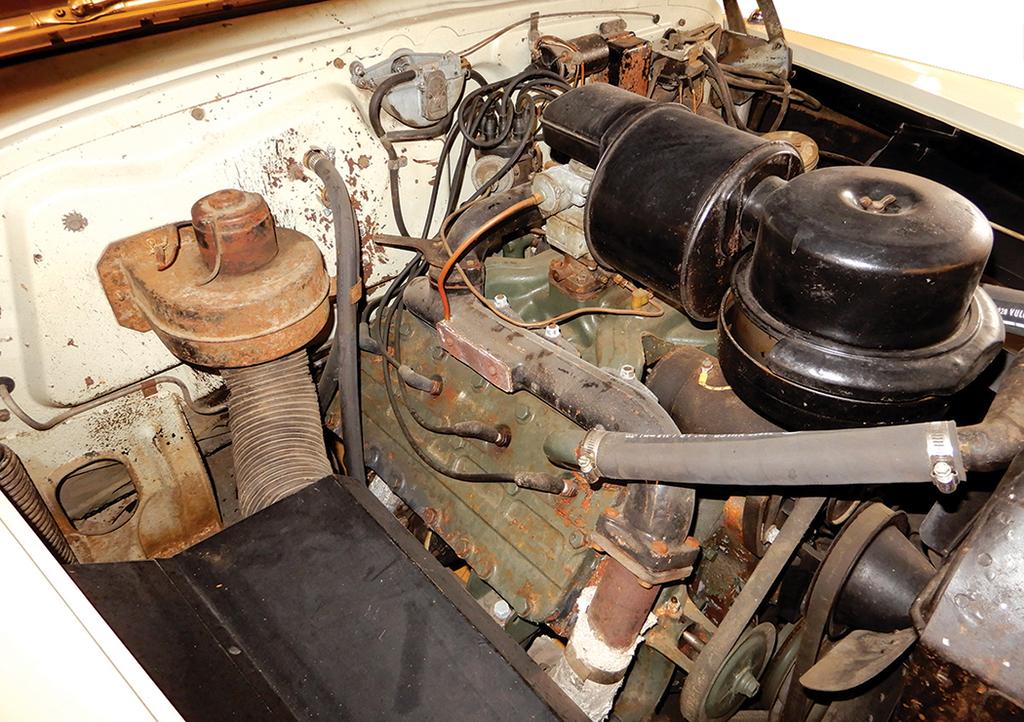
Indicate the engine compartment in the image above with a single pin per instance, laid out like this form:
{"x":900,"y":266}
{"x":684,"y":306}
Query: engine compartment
{"x":703,"y":415}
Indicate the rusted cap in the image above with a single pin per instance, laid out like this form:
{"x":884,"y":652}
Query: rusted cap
{"x":230,"y":322}
{"x":241,"y":225}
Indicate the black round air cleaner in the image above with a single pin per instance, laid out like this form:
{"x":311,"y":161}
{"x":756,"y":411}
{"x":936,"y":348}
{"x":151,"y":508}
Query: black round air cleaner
{"x":859,"y":304}
{"x":665,"y":203}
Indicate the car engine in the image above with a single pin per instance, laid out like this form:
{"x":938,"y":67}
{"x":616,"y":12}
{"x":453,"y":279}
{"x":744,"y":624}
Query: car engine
{"x":633,"y":336}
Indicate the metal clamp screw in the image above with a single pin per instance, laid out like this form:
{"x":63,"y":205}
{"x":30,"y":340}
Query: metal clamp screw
{"x":502,"y":610}
{"x":944,"y":476}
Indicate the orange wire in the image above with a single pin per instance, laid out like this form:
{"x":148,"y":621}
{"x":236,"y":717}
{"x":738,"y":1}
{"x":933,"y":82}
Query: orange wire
{"x":473,"y":237}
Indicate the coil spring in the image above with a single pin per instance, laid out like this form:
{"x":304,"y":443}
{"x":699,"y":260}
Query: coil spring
{"x":18,"y":487}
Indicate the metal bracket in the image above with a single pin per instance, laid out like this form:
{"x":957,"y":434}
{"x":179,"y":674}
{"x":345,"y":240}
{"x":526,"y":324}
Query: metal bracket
{"x":431,"y":249}
{"x":423,"y":100}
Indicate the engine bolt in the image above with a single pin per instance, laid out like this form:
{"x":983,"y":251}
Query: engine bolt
{"x":501,"y":610}
{"x":576,"y":539}
{"x":746,"y":684}
{"x":552,"y":331}
{"x":464,"y":548}
{"x":523,"y":606}
{"x":523,"y":414}
{"x":484,"y":568}
{"x":501,"y":301}
{"x":944,"y":477}
{"x":627,"y":372}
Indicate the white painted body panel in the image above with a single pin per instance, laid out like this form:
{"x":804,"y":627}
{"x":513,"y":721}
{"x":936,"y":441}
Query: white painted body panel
{"x":58,"y":659}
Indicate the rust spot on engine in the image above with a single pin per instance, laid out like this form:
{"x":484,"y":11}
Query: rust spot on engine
{"x":586,"y":492}
{"x":529,"y":596}
{"x":732,"y":516}
{"x":563,"y":509}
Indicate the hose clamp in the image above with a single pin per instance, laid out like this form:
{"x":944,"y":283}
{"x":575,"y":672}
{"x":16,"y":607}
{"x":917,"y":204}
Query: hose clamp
{"x":947,"y":466}
{"x":586,"y":454}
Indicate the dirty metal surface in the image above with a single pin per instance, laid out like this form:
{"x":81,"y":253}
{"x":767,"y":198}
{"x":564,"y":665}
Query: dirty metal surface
{"x":157,"y":280}
{"x":151,"y":437}
{"x":605,"y":341}
{"x":576,"y":279}
{"x":856,"y":659}
{"x":530,"y":546}
{"x":463,"y":347}
{"x":974,"y":618}
{"x":939,"y":691}
{"x":875,"y":702}
{"x":828,"y":585}
{"x":723,"y":570}
{"x":671,"y":612}
{"x":745,"y":606}
{"x":648,"y":532}
{"x":234,"y":230}
{"x":690,"y":385}
{"x":186,"y":113}
{"x":629,"y":63}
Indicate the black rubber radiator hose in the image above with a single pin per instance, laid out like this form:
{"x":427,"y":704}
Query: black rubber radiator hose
{"x":993,"y":443}
{"x":910,"y":453}
{"x":880,"y":455}
{"x":348,"y":250}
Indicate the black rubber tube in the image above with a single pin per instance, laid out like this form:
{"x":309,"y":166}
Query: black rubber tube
{"x":348,"y":252}
{"x":999,"y":438}
{"x":18,"y":487}
{"x":881,"y":455}
{"x":277,"y":440}
{"x":376,"y":101}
